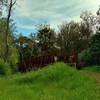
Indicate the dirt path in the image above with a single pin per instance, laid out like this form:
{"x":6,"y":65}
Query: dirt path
{"x":92,"y":75}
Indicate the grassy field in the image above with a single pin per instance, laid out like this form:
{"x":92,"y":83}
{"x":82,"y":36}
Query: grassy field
{"x":55,"y":82}
{"x":93,"y":69}
{"x":92,"y":72}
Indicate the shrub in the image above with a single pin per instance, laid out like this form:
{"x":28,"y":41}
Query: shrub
{"x":13,"y":59}
{"x":14,"y":68}
{"x":95,"y":49}
{"x":91,"y":56}
{"x":4,"y":68}
{"x":85,"y":56}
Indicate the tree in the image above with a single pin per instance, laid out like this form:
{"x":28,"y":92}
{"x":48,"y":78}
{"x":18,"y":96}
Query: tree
{"x":1,"y":4}
{"x":88,"y":20}
{"x":91,"y":55}
{"x":74,"y":37}
{"x":27,"y":48}
{"x":46,"y":37}
{"x":86,"y":26}
{"x":95,"y":44}
{"x":9,"y":5}
{"x":95,"y":48}
{"x":69,"y":37}
{"x":2,"y":30}
{"x":85,"y":35}
{"x":3,"y":24}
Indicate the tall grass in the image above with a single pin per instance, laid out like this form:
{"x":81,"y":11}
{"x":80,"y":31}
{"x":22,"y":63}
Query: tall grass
{"x":54,"y":82}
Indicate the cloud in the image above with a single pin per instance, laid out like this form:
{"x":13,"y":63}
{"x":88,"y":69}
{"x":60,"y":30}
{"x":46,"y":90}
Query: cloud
{"x":29,"y":13}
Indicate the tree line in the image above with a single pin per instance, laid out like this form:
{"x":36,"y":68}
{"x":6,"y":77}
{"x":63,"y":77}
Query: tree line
{"x":72,"y":37}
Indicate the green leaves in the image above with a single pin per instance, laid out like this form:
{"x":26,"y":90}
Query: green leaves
{"x":46,"y":37}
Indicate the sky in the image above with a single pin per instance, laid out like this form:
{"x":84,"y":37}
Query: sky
{"x":30,"y":13}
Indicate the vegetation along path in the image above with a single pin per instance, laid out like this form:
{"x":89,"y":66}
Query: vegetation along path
{"x":93,"y":73}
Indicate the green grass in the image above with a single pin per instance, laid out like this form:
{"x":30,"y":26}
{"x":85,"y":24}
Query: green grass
{"x":55,"y":82}
{"x":93,"y":69}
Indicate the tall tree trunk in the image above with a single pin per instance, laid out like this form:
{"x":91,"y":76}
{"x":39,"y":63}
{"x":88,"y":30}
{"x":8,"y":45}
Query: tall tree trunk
{"x":7,"y":31}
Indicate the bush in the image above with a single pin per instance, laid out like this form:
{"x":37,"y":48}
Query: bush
{"x":95,"y":48}
{"x":85,"y":56}
{"x":91,"y":56}
{"x":4,"y":68}
{"x":14,"y":68}
{"x":13,"y":59}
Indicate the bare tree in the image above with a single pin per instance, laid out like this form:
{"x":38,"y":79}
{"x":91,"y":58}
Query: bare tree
{"x":1,"y":4}
{"x":10,"y":5}
{"x":89,"y":20}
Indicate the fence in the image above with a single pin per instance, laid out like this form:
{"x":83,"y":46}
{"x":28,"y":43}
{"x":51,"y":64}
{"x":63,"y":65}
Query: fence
{"x":40,"y":61}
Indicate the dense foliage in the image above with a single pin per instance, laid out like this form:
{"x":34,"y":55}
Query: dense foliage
{"x":72,"y":38}
{"x":91,"y":55}
{"x":95,"y":48}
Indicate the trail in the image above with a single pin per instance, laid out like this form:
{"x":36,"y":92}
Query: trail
{"x":92,"y":75}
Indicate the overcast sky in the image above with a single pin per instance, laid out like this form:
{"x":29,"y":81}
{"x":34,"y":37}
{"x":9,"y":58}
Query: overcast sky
{"x":30,"y":13}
